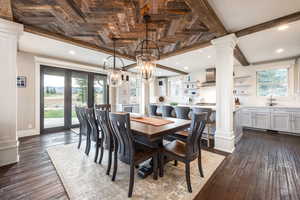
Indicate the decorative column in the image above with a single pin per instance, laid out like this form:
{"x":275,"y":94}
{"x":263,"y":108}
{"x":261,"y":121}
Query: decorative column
{"x":224,"y":136}
{"x":9,"y":34}
{"x":144,"y":98}
{"x":113,"y":98}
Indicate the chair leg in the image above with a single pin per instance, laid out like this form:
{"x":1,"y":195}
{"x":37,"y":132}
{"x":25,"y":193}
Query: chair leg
{"x":187,"y":176}
{"x":131,"y":181}
{"x":88,"y":145}
{"x":79,"y":142}
{"x":115,"y":165}
{"x":101,"y":151}
{"x":97,"y":151}
{"x":155,"y":166}
{"x":161,"y":164}
{"x":175,"y":162}
{"x":200,"y":166}
{"x":109,"y":161}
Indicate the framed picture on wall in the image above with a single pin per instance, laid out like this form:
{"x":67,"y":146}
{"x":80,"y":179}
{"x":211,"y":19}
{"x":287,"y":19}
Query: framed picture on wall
{"x":21,"y":81}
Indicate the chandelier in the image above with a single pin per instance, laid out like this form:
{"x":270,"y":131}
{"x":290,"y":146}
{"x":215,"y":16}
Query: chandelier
{"x":114,"y":65}
{"x":147,"y":53}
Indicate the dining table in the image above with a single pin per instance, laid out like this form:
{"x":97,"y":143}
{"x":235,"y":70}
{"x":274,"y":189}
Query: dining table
{"x":152,"y":135}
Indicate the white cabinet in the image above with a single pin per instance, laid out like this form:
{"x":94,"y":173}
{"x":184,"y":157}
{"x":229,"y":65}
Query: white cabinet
{"x":261,"y":120}
{"x":295,"y":122}
{"x":245,"y":118}
{"x":280,"y":121}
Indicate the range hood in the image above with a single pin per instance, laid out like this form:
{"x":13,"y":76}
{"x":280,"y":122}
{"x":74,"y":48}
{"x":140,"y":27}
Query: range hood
{"x":210,"y":75}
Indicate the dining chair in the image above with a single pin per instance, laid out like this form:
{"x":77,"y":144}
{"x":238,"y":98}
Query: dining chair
{"x":182,"y":112}
{"x":167,"y":111}
{"x":103,"y":122}
{"x":209,"y":122}
{"x":82,"y":124}
{"x":103,"y":107}
{"x":88,"y":129}
{"x":94,"y":133}
{"x":152,"y":110}
{"x":129,"y":151}
{"x":188,"y":151}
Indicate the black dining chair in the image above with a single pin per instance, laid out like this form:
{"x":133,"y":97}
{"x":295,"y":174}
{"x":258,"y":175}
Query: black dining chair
{"x":82,"y":124}
{"x":88,"y":129}
{"x":188,"y":151}
{"x":129,"y":151}
{"x":166,"y":111}
{"x":182,"y":112}
{"x":103,"y":107}
{"x":103,"y":122}
{"x":95,"y":134}
{"x":152,"y":110}
{"x":209,"y":122}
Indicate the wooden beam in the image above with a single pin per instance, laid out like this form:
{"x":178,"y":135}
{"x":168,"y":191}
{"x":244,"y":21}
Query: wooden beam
{"x":158,"y":66}
{"x":5,"y":10}
{"x":73,"y":41}
{"x":238,"y":54}
{"x":270,"y":24}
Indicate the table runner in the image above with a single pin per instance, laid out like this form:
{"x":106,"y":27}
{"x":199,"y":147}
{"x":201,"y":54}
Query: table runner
{"x":152,"y":121}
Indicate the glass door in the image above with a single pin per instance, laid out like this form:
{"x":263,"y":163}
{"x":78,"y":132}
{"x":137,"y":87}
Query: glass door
{"x":53,"y":99}
{"x":100,"y":89}
{"x":79,"y":93}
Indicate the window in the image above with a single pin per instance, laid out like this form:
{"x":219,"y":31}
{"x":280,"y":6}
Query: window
{"x":272,"y":82}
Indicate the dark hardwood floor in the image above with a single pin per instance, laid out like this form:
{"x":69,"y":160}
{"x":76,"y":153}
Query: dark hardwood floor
{"x":264,"y":166}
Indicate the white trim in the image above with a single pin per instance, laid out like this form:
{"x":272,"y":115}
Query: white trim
{"x":26,"y":133}
{"x":9,"y":152}
{"x":224,"y":143}
{"x":67,"y":65}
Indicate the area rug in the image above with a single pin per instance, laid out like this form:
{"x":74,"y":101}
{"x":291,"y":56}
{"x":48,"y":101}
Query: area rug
{"x":85,"y":180}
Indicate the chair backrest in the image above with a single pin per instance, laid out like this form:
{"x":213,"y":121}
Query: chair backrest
{"x":152,"y":110}
{"x":103,"y":107}
{"x":104,"y":123}
{"x":121,"y":128}
{"x":90,"y":116}
{"x":182,"y":112}
{"x":78,"y":113}
{"x":208,"y":112}
{"x":166,"y":111}
{"x":195,"y":134}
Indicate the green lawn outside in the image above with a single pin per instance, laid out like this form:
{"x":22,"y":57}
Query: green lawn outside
{"x":57,"y":114}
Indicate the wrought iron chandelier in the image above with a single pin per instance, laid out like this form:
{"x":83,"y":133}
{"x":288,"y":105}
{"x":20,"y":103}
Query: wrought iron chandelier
{"x":114,"y":67}
{"x":147,"y":53}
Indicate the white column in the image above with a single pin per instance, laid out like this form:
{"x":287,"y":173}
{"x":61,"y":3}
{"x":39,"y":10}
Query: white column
{"x":9,"y":34}
{"x":144,"y":98}
{"x":224,"y":136}
{"x":113,"y":98}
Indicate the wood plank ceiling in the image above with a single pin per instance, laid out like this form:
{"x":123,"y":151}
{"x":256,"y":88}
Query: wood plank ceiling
{"x":175,"y":24}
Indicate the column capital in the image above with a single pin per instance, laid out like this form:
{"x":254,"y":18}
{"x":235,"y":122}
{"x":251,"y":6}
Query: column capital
{"x":228,"y":40}
{"x":10,"y":27}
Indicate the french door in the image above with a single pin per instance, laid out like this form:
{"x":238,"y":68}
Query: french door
{"x":62,"y":90}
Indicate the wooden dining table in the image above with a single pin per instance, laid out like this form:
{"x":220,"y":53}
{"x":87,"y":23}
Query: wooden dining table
{"x":152,"y":136}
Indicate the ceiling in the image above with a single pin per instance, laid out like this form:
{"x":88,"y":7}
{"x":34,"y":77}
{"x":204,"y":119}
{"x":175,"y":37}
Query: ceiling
{"x":239,"y":14}
{"x":175,"y":24}
{"x":53,"y":48}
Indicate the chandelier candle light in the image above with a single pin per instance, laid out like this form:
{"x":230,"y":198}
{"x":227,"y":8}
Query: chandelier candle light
{"x":147,"y":53}
{"x":114,"y":65}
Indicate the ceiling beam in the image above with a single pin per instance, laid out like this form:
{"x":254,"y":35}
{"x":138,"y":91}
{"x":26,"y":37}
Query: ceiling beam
{"x":5,"y":10}
{"x":270,"y":24}
{"x":158,"y":66}
{"x":250,"y":30}
{"x":210,"y":18}
{"x":73,"y":41}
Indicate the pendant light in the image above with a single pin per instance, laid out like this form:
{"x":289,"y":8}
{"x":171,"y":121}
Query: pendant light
{"x":147,"y":53}
{"x":114,"y":67}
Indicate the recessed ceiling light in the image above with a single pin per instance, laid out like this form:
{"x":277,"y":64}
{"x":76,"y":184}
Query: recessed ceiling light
{"x":283,"y":27}
{"x":279,"y":50}
{"x":177,"y":63}
{"x":72,"y":52}
{"x":186,"y":68}
{"x":209,"y":56}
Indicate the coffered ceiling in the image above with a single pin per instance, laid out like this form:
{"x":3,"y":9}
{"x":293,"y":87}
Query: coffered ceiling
{"x":175,"y":24}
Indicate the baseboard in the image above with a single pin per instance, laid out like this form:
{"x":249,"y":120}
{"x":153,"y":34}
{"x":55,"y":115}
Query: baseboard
{"x":224,"y":143}
{"x":26,"y":133}
{"x":9,"y":152}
